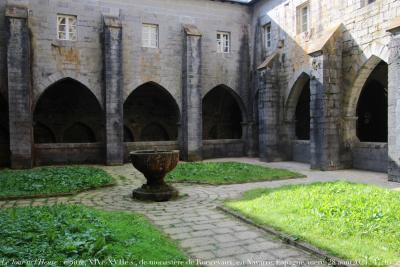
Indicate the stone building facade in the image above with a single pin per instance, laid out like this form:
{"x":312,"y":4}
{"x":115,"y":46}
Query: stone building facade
{"x":312,"y":81}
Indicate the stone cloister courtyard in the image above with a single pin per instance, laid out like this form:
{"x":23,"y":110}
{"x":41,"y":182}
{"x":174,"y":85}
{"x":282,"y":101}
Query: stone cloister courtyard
{"x":207,"y":234}
{"x":199,"y":133}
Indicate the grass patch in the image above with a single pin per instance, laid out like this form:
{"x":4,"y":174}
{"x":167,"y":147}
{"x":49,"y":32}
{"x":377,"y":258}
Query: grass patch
{"x":352,"y":221}
{"x":67,"y":233}
{"x":51,"y":180}
{"x":226,"y":173}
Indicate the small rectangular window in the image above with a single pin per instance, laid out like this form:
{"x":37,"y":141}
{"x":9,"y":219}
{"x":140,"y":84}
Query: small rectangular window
{"x":150,"y":35}
{"x":223,"y":42}
{"x":267,"y":35}
{"x":302,"y":15}
{"x":66,"y":27}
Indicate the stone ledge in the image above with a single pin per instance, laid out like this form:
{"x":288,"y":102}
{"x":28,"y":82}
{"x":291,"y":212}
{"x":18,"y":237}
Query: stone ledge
{"x":17,"y":12}
{"x":223,"y":141}
{"x":318,"y":46}
{"x":152,"y":143}
{"x":375,"y":145}
{"x":267,"y":63}
{"x":394,"y":26}
{"x":112,"y":22}
{"x":303,"y":142}
{"x":191,"y":30}
{"x":68,"y":145}
{"x":63,"y":43}
{"x":290,"y":240}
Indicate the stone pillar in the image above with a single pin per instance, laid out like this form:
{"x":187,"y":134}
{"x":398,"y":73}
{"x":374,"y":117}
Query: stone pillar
{"x":350,"y":130}
{"x":113,"y":95}
{"x":268,"y":108}
{"x":251,"y":144}
{"x":19,"y":87}
{"x":325,"y":105}
{"x":394,"y":104}
{"x":192,"y":134}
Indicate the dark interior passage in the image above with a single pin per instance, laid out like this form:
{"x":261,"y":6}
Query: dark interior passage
{"x":302,"y":116}
{"x":154,"y":131}
{"x":372,"y":107}
{"x":68,"y":112}
{"x":150,"y":114}
{"x":79,"y":133}
{"x":128,"y":136}
{"x":222,"y":115}
{"x":43,"y":134}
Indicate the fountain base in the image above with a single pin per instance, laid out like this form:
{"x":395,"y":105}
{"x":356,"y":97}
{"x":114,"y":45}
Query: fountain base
{"x":155,"y":193}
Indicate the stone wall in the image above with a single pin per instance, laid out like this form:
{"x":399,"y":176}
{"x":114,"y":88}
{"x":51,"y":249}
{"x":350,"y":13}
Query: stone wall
{"x":3,"y":62}
{"x":50,"y":154}
{"x":364,"y":42}
{"x":84,"y":60}
{"x":370,"y":156}
{"x":301,"y":151}
{"x":4,"y":147}
{"x":223,"y":148}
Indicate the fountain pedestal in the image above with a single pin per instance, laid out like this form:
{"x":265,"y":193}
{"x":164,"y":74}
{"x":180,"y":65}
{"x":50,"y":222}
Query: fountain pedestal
{"x":155,"y":165}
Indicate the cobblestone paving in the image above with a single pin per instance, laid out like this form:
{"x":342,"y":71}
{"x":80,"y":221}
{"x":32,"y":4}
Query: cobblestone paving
{"x":203,"y":231}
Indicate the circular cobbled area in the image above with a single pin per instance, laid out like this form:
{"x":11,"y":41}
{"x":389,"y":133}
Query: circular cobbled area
{"x":204,"y":232}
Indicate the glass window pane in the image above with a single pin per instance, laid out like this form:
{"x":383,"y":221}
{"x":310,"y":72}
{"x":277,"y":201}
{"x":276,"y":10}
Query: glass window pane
{"x":72,"y":21}
{"x":61,"y":35}
{"x":72,"y":36}
{"x":61,"y":20}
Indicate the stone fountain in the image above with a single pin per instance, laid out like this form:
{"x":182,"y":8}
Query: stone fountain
{"x":155,"y":164}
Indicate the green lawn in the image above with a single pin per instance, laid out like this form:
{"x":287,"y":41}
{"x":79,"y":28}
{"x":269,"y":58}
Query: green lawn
{"x":353,"y":221}
{"x":51,"y":180}
{"x":70,"y":233}
{"x":226,"y":173}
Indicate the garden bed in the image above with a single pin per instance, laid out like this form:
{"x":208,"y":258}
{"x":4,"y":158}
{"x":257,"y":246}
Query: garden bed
{"x":226,"y":173}
{"x":75,"y":235}
{"x":51,"y":181}
{"x":355,"y":222}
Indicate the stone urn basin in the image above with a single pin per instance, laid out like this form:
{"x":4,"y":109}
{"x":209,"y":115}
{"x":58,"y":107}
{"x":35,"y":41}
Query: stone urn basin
{"x":155,"y":164}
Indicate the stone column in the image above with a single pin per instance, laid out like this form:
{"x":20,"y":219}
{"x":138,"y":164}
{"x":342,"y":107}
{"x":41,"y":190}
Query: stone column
{"x":251,"y":144}
{"x":394,"y":104}
{"x":325,"y":105}
{"x":268,"y":108}
{"x":192,"y":134}
{"x":113,"y":95}
{"x":19,"y":87}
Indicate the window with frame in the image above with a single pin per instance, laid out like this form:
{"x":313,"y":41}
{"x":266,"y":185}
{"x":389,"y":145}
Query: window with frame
{"x":223,"y":42}
{"x":303,"y":17}
{"x":66,"y":27}
{"x":150,"y":35}
{"x":267,"y":35}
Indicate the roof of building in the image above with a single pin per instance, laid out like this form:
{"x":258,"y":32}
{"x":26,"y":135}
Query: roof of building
{"x":243,"y":2}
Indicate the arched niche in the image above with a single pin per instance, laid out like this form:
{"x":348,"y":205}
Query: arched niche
{"x":151,"y":105}
{"x":68,"y":106}
{"x":223,"y":114}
